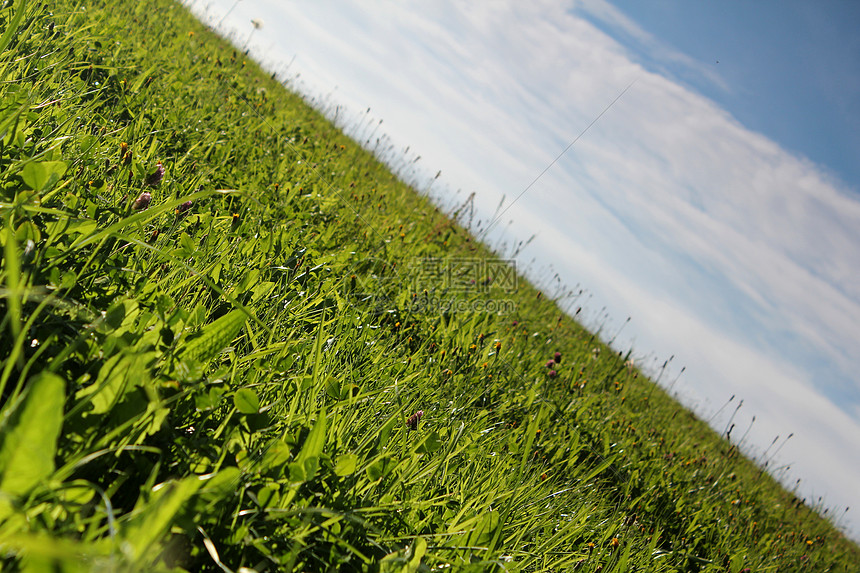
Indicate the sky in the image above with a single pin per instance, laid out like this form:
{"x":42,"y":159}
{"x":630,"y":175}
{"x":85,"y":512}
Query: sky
{"x":690,"y":165}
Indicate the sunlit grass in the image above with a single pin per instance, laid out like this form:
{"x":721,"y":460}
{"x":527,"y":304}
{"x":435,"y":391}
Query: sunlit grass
{"x":221,"y":365}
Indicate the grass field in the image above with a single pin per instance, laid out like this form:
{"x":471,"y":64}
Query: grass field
{"x":233,"y":340}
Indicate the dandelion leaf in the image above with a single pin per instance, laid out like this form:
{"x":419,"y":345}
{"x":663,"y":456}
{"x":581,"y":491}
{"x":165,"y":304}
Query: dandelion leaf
{"x":119,"y":375}
{"x":211,"y":341}
{"x":29,"y":435}
{"x":153,"y":519}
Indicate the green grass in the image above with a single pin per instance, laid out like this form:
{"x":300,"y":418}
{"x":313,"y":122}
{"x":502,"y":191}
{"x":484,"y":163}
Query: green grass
{"x":228,"y":385}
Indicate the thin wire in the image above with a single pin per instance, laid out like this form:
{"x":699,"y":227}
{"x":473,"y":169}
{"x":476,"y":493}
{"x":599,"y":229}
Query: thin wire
{"x":224,"y":17}
{"x":554,"y":161}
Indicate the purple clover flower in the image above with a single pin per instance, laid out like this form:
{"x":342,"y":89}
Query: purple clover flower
{"x":412,"y":422}
{"x":142,"y":202}
{"x":183,"y":209}
{"x":154,"y":178}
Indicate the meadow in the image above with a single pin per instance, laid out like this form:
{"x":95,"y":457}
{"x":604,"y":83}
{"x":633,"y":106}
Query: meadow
{"x":234,"y":340}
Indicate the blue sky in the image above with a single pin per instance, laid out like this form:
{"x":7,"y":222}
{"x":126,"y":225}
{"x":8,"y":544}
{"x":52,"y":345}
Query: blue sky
{"x":716,"y":204}
{"x":791,"y":69}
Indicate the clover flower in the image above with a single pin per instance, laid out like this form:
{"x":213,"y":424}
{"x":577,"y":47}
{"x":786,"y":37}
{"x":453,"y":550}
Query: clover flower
{"x":154,"y":178}
{"x":412,"y":421}
{"x":183,"y":209}
{"x":142,"y":202}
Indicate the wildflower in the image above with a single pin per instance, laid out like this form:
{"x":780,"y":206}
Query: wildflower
{"x":154,"y":178}
{"x":142,"y":202}
{"x":614,"y":542}
{"x":552,"y":374}
{"x":412,"y":421}
{"x":182,"y":209}
{"x":557,"y":358}
{"x":549,"y":363}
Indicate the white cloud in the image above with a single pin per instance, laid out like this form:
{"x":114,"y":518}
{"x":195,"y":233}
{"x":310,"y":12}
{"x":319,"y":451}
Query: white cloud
{"x":645,"y":44}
